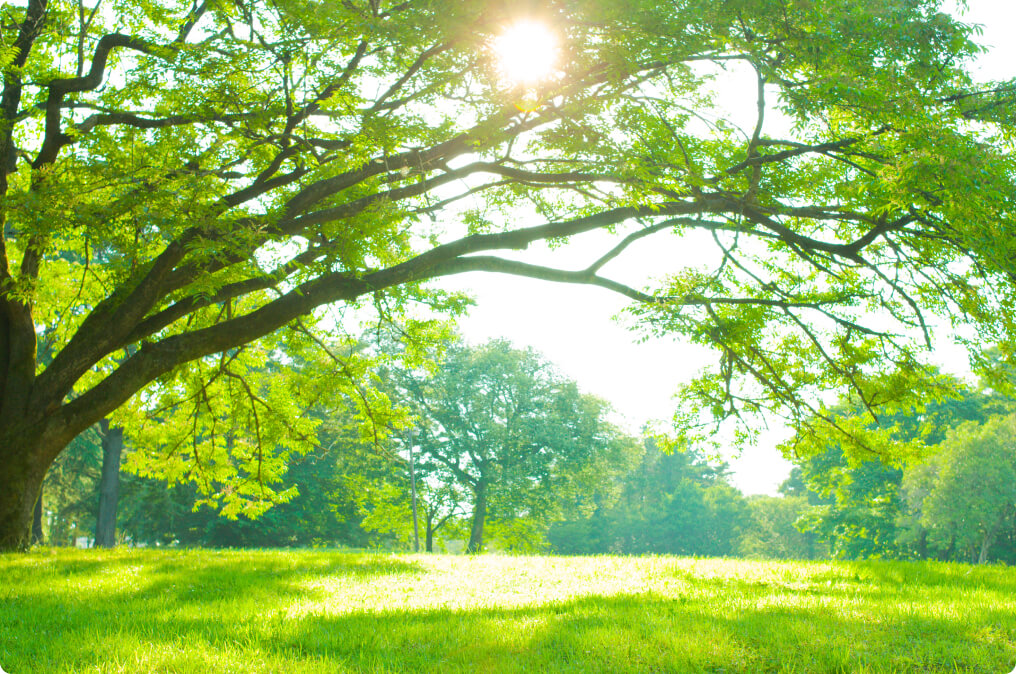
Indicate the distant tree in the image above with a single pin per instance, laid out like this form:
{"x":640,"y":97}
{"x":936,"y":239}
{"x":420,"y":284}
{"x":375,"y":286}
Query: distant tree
{"x":320,"y":508}
{"x":856,"y":514}
{"x":857,"y":507}
{"x":771,"y":532}
{"x":687,"y":508}
{"x":514,"y":437}
{"x":677,"y":503}
{"x":109,"y":484}
{"x":321,"y":513}
{"x":383,"y":503}
{"x":374,"y":482}
{"x":967,"y":490}
{"x":71,"y":495}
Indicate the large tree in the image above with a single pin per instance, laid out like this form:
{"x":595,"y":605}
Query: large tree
{"x":515,"y":439}
{"x":179,"y":179}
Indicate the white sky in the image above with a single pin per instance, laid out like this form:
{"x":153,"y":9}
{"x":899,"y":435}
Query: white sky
{"x":573,"y":326}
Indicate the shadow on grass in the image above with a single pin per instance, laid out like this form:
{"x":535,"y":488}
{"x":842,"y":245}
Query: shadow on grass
{"x":200,"y":576}
{"x":876,"y":580}
{"x":928,"y":574}
{"x":193,"y":612}
{"x":647,"y":632}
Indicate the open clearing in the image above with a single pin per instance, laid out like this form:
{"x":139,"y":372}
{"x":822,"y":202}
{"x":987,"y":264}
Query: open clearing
{"x":313,"y":611}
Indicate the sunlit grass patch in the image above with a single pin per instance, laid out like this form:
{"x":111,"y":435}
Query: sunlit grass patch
{"x":314,"y":611}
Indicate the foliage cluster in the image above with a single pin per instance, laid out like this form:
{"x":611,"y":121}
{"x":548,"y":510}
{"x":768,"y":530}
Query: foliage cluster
{"x":675,"y":503}
{"x":957,"y":501}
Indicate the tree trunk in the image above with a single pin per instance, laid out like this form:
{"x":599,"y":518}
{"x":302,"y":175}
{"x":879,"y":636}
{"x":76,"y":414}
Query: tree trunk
{"x":22,"y":469}
{"x":429,"y":543}
{"x":479,"y":515}
{"x":109,"y":485}
{"x":948,"y":556}
{"x":982,"y":557}
{"x":922,"y":545}
{"x":988,"y":541}
{"x":37,"y":520}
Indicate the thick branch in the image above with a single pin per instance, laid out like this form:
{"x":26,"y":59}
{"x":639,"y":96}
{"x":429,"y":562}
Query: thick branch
{"x":141,"y":122}
{"x":102,"y":331}
{"x":17,"y":327}
{"x":155,"y":359}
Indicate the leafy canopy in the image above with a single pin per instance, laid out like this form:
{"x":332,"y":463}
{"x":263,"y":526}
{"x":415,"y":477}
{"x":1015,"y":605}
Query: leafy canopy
{"x":179,"y":180}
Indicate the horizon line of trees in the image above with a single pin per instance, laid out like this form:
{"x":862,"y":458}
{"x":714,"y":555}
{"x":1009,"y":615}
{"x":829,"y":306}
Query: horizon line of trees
{"x":509,"y":455}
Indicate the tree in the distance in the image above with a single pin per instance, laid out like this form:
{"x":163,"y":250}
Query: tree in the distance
{"x":669,"y":503}
{"x":109,"y":485}
{"x":500,"y":427}
{"x":857,"y":507}
{"x":967,"y":488}
{"x":180,"y":179}
{"x":70,"y":491}
{"x":772,"y":533}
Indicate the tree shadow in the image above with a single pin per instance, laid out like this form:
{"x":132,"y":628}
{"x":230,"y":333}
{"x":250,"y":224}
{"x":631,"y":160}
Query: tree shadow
{"x":266,"y":613}
{"x":67,"y":613}
{"x":871,"y":578}
{"x":649,"y":632}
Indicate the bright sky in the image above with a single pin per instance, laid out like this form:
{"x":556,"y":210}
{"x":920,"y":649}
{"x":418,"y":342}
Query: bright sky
{"x":573,"y":327}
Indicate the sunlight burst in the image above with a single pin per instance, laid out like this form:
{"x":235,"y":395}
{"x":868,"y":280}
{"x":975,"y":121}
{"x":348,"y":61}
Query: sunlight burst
{"x":526,"y":53}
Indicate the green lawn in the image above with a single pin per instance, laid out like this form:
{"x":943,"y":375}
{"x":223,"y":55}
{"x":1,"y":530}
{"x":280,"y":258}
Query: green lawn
{"x":311,"y":611}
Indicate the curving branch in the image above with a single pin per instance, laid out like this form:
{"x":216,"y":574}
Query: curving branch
{"x":54,"y":138}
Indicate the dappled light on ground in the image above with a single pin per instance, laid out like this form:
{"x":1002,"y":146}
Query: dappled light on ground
{"x":193,"y":611}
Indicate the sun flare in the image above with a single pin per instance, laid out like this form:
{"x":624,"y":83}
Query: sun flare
{"x":527,"y":52}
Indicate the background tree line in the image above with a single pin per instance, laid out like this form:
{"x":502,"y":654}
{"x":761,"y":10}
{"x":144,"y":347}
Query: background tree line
{"x":953,"y":499}
{"x":507,"y":454}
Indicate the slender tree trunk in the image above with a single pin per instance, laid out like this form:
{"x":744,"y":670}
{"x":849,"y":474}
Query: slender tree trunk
{"x":429,"y":543}
{"x":109,"y":485}
{"x":412,"y":482}
{"x":988,"y":541}
{"x":922,"y":545}
{"x":479,"y":516}
{"x":37,"y":520}
{"x":982,"y":557}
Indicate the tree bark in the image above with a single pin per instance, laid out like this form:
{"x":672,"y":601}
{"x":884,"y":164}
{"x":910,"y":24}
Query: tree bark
{"x":479,"y":516}
{"x":22,"y":469}
{"x":429,"y":543}
{"x":109,"y":485}
{"x":37,"y":521}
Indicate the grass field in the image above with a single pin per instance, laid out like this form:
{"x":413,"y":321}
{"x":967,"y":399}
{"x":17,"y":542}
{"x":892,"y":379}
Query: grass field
{"x":311,"y":611}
